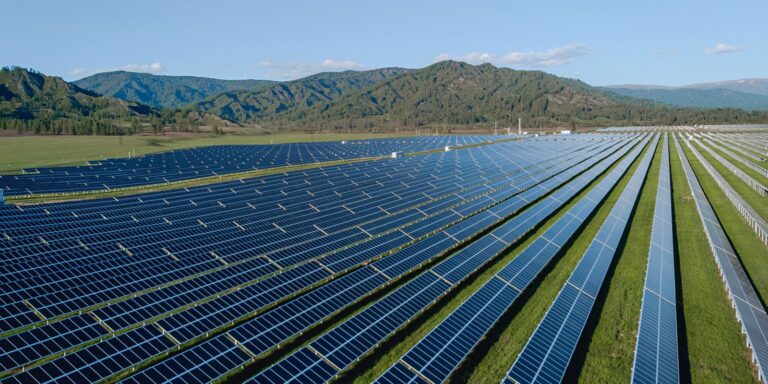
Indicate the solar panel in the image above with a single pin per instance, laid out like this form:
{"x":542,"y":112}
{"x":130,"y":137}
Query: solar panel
{"x":185,"y":164}
{"x":548,"y":352}
{"x":656,"y":357}
{"x":746,"y":303}
{"x":439,"y":353}
{"x":348,"y":342}
{"x":191,"y":261}
{"x":754,"y":219}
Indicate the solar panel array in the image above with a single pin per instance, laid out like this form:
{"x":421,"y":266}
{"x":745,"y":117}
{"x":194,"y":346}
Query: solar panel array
{"x":180,"y":265}
{"x":741,"y":148}
{"x":758,"y":224}
{"x":548,"y":352}
{"x":357,"y":336}
{"x":749,"y":309}
{"x":438,"y":354}
{"x":326,"y":301}
{"x":656,"y":356}
{"x":186,"y":164}
{"x":315,"y":270}
{"x":751,"y":181}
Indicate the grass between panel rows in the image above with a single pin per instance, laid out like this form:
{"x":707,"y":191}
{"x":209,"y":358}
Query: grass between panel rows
{"x":710,"y":341}
{"x":751,"y":251}
{"x":609,"y":353}
{"x":757,"y":202}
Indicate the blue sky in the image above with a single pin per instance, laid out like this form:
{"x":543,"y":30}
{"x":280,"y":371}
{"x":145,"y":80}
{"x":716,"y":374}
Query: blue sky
{"x":672,"y":42}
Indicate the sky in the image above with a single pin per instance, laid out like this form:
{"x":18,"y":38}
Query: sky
{"x":602,"y":42}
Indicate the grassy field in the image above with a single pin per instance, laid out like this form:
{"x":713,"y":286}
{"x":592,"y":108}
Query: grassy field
{"x":21,"y":152}
{"x":711,"y":345}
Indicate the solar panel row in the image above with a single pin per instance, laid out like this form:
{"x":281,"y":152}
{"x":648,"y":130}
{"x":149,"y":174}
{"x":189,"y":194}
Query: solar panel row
{"x":354,"y":338}
{"x":438,"y":354}
{"x":739,"y":149}
{"x":151,"y":239}
{"x":755,"y":144}
{"x":548,"y":351}
{"x":89,"y":244}
{"x":274,"y":327}
{"x":746,"y":302}
{"x":656,"y":356}
{"x":758,"y":224}
{"x":185,"y":164}
{"x":749,"y":180}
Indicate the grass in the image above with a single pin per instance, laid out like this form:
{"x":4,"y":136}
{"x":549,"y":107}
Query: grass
{"x":758,"y":176}
{"x":710,"y":337}
{"x":757,"y":202}
{"x":745,"y":242}
{"x":384,"y":359}
{"x":610,"y":350}
{"x":21,"y":152}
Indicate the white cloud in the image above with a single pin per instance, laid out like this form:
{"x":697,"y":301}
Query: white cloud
{"x":153,"y":68}
{"x":289,"y":70}
{"x":531,"y":59}
{"x":721,"y":48}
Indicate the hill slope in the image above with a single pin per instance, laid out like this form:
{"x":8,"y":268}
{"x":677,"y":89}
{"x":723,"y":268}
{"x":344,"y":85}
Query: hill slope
{"x":459,"y":93}
{"x":753,"y":86}
{"x":297,"y":95}
{"x":28,"y":95}
{"x":455,"y":93}
{"x":703,"y":98}
{"x":162,"y":91}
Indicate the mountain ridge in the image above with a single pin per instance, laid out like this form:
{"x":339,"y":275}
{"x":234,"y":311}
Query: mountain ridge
{"x":696,"y":97}
{"x":161,"y":91}
{"x":755,"y":85}
{"x":300,"y":94}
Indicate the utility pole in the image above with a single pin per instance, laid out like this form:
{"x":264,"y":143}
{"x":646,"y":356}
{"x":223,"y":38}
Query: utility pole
{"x":519,"y":126}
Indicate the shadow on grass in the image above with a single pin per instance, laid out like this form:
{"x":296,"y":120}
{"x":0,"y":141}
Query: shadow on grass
{"x":682,"y":329}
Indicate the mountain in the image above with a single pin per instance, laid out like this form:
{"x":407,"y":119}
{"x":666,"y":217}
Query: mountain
{"x":162,"y":91}
{"x":458,"y":93}
{"x":448,"y":93}
{"x":26,"y":95}
{"x":291,"y":96}
{"x":753,"y":86}
{"x":697,"y":97}
{"x":638,"y":86}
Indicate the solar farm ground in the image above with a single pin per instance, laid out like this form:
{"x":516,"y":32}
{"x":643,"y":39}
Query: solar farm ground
{"x":711,"y":345}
